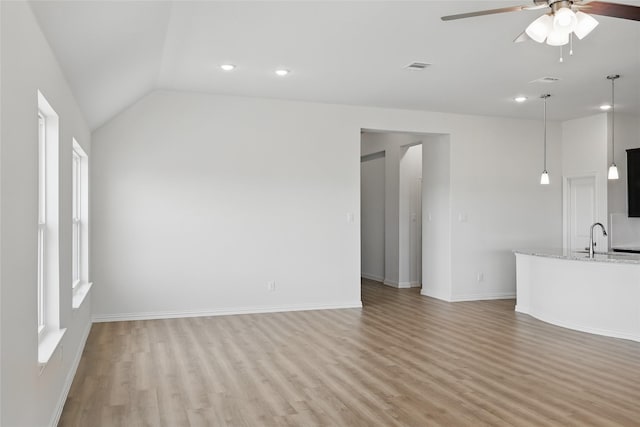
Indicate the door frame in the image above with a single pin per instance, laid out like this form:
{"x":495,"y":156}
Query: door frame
{"x":566,"y":193}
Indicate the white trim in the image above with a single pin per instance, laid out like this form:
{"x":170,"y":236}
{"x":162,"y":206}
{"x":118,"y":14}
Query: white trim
{"x":483,"y":296}
{"x":391,"y":283}
{"x":218,"y":312}
{"x":80,"y":293}
{"x":69,"y":380}
{"x":372,"y":277}
{"x":48,"y":345}
{"x":429,"y":293}
{"x":469,"y":297}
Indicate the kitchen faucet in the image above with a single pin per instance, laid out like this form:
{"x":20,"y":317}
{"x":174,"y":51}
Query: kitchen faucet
{"x":592,"y":243}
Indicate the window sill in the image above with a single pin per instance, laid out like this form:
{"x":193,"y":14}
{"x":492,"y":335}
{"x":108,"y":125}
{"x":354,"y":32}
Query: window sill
{"x":80,"y":292}
{"x":47,"y":346}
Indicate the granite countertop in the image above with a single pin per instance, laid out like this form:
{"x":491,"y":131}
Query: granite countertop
{"x":613,"y":257}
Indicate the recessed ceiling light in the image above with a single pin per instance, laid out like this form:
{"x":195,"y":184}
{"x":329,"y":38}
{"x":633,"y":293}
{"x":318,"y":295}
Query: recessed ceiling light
{"x":228,"y":67}
{"x":282,"y":72}
{"x":605,"y":107}
{"x":520,"y":99}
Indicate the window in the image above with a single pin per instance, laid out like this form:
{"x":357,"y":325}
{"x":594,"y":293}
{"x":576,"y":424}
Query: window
{"x":48,"y":269}
{"x":80,"y":197}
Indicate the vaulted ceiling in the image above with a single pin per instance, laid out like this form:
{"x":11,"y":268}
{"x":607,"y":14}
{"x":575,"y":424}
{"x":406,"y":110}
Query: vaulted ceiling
{"x":114,"y":52}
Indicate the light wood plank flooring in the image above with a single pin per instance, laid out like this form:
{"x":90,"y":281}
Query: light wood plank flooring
{"x":403,"y":360}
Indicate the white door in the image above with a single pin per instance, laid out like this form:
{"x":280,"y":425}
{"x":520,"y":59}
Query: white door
{"x":582,"y":211}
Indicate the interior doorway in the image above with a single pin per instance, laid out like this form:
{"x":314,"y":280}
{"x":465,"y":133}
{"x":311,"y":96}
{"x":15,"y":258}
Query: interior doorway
{"x":372,"y":222}
{"x":391,"y":208}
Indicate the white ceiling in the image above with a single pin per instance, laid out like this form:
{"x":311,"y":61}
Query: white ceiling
{"x":114,"y":52}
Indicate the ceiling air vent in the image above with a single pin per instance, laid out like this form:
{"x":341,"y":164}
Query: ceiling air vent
{"x":545,"y":80}
{"x":417,"y":66}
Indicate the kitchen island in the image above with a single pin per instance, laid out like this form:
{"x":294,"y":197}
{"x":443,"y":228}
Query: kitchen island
{"x":599,"y":295}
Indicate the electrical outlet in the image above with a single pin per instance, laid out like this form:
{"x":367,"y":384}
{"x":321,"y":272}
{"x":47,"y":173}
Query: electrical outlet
{"x":271,"y":285}
{"x":480,"y":277}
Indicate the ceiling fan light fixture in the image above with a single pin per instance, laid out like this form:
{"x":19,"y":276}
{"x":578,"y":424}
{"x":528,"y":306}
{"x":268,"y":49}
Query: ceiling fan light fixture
{"x":557,"y":38}
{"x":539,"y":29}
{"x":585,"y":24}
{"x":564,"y":20}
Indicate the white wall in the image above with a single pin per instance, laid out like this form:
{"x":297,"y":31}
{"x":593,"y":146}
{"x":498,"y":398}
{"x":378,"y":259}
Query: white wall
{"x":436,"y":217}
{"x":584,"y":151}
{"x":372,"y":226}
{"x":30,"y":398}
{"x":409,"y":241}
{"x":199,"y":200}
{"x":624,"y":231}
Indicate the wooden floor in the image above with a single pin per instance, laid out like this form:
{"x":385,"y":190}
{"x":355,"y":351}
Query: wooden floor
{"x":403,"y":360}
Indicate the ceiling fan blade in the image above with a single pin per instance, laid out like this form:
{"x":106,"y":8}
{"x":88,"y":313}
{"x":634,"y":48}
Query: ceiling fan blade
{"x":484,"y":12}
{"x":536,"y":7}
{"x":615,"y":10}
{"x":523,"y":37}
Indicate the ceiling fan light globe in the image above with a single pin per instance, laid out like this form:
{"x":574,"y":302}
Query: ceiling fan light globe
{"x":539,"y":29}
{"x":585,"y":24}
{"x":557,"y":38}
{"x":564,"y":20}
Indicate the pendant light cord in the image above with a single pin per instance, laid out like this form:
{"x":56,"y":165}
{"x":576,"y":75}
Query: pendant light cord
{"x":545,"y":132}
{"x":613,"y":78}
{"x":544,"y":97}
{"x":613,"y":121}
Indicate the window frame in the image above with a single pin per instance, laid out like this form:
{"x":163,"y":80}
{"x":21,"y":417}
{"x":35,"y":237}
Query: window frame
{"x":47,"y":247}
{"x":42,"y":221}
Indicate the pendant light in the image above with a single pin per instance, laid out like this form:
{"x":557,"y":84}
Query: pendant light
{"x":613,"y":169}
{"x":544,"y":178}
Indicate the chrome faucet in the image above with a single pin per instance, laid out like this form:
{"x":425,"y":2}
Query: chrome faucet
{"x":592,"y":243}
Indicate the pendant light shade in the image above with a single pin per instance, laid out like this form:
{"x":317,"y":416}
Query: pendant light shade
{"x":544,"y":178}
{"x":613,"y":169}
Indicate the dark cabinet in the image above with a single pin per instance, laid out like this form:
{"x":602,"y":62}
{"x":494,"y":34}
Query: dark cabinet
{"x":633,"y":181}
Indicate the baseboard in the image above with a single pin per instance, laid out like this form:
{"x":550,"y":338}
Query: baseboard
{"x":429,"y":293}
{"x":483,"y":296}
{"x":70,"y":376}
{"x":372,"y":277}
{"x":401,"y":285}
{"x":407,"y":285}
{"x":119,"y":317}
{"x":391,"y":283}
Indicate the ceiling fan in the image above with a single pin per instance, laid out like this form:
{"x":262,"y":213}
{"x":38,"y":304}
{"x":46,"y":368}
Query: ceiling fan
{"x":564,"y":18}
